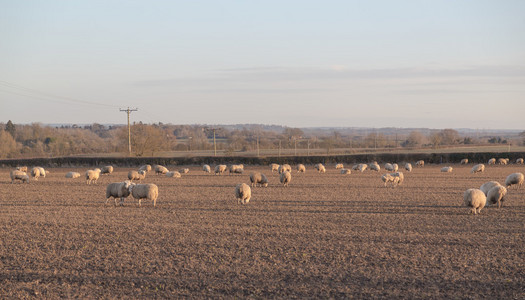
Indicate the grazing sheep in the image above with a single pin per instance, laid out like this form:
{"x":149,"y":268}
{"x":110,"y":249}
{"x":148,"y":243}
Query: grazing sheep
{"x":106,"y":170}
{"x":206,"y":169}
{"x":408,"y":167}
{"x":420,"y":163}
{"x":320,"y":168}
{"x":399,"y":175}
{"x":464,"y":161}
{"x":480,"y":168}
{"x":161,"y":170}
{"x":502,"y":161}
{"x":284,"y":168}
{"x":496,"y":195}
{"x":136,"y":175}
{"x":219,"y":169}
{"x":92,"y":176}
{"x":243,"y":193}
{"x":446,"y":169}
{"x":396,"y":167}
{"x":519,"y":161}
{"x":374,"y":167}
{"x":275,"y":167}
{"x":285,"y":178}
{"x":23,"y":168}
{"x":389,"y":167}
{"x":514,"y":179}
{"x":487,"y":186}
{"x":43,"y":172}
{"x":258,"y":178}
{"x":19,"y":175}
{"x":339,"y":166}
{"x":145,"y":168}
{"x":492,"y":161}
{"x":173,"y":174}
{"x":148,"y":191}
{"x":118,"y":190}
{"x":346,"y":171}
{"x":301,"y":168}
{"x":360,"y":167}
{"x":388,"y":178}
{"x":507,"y":160}
{"x":184,"y":171}
{"x":72,"y":175}
{"x":239,"y":169}
{"x":476,"y":199}
{"x":35,"y":173}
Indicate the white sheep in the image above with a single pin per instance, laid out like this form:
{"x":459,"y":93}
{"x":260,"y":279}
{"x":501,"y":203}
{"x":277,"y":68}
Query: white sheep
{"x":243,"y":193}
{"x":396,"y":167}
{"x":22,"y":168}
{"x":420,"y":163}
{"x":502,"y":161}
{"x":360,"y":167}
{"x":285,"y":178}
{"x":145,"y":168}
{"x":399,"y":175}
{"x":19,"y":175}
{"x":284,"y":168}
{"x":92,"y":176}
{"x":118,"y":190}
{"x":479,"y":168}
{"x":238,"y":169}
{"x":389,"y":167}
{"x":72,"y":175}
{"x":184,"y":171}
{"x":514,"y":179}
{"x":388,"y":178}
{"x":487,"y":186}
{"x":161,"y":169}
{"x":148,"y":191}
{"x":496,"y":195}
{"x":219,"y":169}
{"x":258,"y":178}
{"x":446,"y":169}
{"x":106,"y":170}
{"x":408,"y":167}
{"x":492,"y":161}
{"x":301,"y":168}
{"x":339,"y":166}
{"x":320,"y":168}
{"x":476,"y":199}
{"x":346,"y":171}
{"x":35,"y":173}
{"x":43,"y":172}
{"x":206,"y":168}
{"x":136,"y":175}
{"x":374,"y":167}
{"x":519,"y":161}
{"x":275,"y":167}
{"x":464,"y":161}
{"x":173,"y":174}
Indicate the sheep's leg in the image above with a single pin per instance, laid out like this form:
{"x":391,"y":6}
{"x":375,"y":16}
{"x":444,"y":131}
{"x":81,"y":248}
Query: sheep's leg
{"x":106,"y":201}
{"x":499,"y":204}
{"x":140,"y":202}
{"x":154,"y":202}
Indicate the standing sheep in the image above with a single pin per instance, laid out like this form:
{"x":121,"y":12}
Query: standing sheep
{"x":519,"y":161}
{"x":284,"y":168}
{"x":92,"y":176}
{"x":464,"y":161}
{"x":136,"y":175}
{"x":496,"y":195}
{"x":148,"y":191}
{"x":43,"y":172}
{"x":145,"y":168}
{"x":514,"y":179}
{"x":19,"y":175}
{"x":238,"y":169}
{"x":396,"y":167}
{"x":72,"y":175}
{"x":420,"y":163}
{"x":492,"y":161}
{"x":399,"y":175}
{"x":479,"y":168}
{"x":346,"y":171}
{"x":23,"y":168}
{"x":446,"y":169}
{"x":118,"y":190}
{"x":35,"y":173}
{"x":206,"y":169}
{"x":408,"y":167}
{"x":106,"y":170}
{"x":219,"y":169}
{"x":275,"y":167}
{"x":389,"y":167}
{"x":184,"y":171}
{"x":301,"y":168}
{"x":243,"y":193}
{"x":339,"y":166}
{"x":160,"y":170}
{"x":502,"y":161}
{"x":285,"y":178}
{"x":360,"y":167}
{"x":258,"y":178}
{"x":374,"y":167}
{"x":320,"y":168}
{"x":388,"y":178}
{"x":173,"y":174}
{"x":476,"y":199}
{"x":487,"y":186}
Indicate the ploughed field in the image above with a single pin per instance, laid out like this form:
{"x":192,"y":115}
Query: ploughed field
{"x":325,"y":236}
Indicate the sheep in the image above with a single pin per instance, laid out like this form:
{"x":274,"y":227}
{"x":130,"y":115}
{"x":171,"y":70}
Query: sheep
{"x":339,"y":166}
{"x":485,"y":188}
{"x":396,"y":167}
{"x":388,"y":178}
{"x":464,"y":161}
{"x":106,"y":170}
{"x":145,"y":168}
{"x":92,"y":176}
{"x":374,"y":167}
{"x":206,"y":169}
{"x":507,"y":160}
{"x":274,"y":167}
{"x":160,"y":170}
{"x":479,"y":168}
{"x":173,"y":174}
{"x":519,"y":161}
{"x":496,"y":195}
{"x":184,"y":171}
{"x":23,"y":168}
{"x":400,"y":175}
{"x":239,"y":169}
{"x":148,"y":191}
{"x":35,"y":173}
{"x":346,"y":171}
{"x":360,"y":167}
{"x":301,"y":168}
{"x":258,"y":178}
{"x":408,"y":167}
{"x":243,"y":193}
{"x":389,"y":167}
{"x":284,"y":168}
{"x":118,"y":190}
{"x":19,"y":175}
{"x":514,"y":179}
{"x":219,"y":169}
{"x":492,"y":161}
{"x":476,"y":199}
{"x":420,"y":163}
{"x":285,"y":178}
{"x":72,"y":175}
{"x":320,"y":168}
{"x":446,"y":169}
{"x":136,"y":175}
{"x":502,"y":161}
{"x":43,"y":172}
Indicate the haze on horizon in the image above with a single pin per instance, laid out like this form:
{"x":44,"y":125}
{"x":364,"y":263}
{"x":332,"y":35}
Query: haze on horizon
{"x":433,"y":64}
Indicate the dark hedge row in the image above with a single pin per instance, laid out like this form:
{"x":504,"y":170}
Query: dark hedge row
{"x":432,"y":158}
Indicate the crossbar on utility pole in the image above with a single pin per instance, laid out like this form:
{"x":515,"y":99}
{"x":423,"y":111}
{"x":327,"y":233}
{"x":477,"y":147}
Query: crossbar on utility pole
{"x":128,"y":111}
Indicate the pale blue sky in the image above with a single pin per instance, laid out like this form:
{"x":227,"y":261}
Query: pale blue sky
{"x":437,"y":64}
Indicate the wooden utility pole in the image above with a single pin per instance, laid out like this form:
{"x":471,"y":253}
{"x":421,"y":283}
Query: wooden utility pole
{"x":128,"y":111}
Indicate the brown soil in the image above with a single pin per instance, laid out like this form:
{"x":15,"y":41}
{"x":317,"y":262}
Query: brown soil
{"x":325,"y":236}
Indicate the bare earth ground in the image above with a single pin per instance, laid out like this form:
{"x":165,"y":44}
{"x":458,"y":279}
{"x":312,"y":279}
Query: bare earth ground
{"x":325,"y":236}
